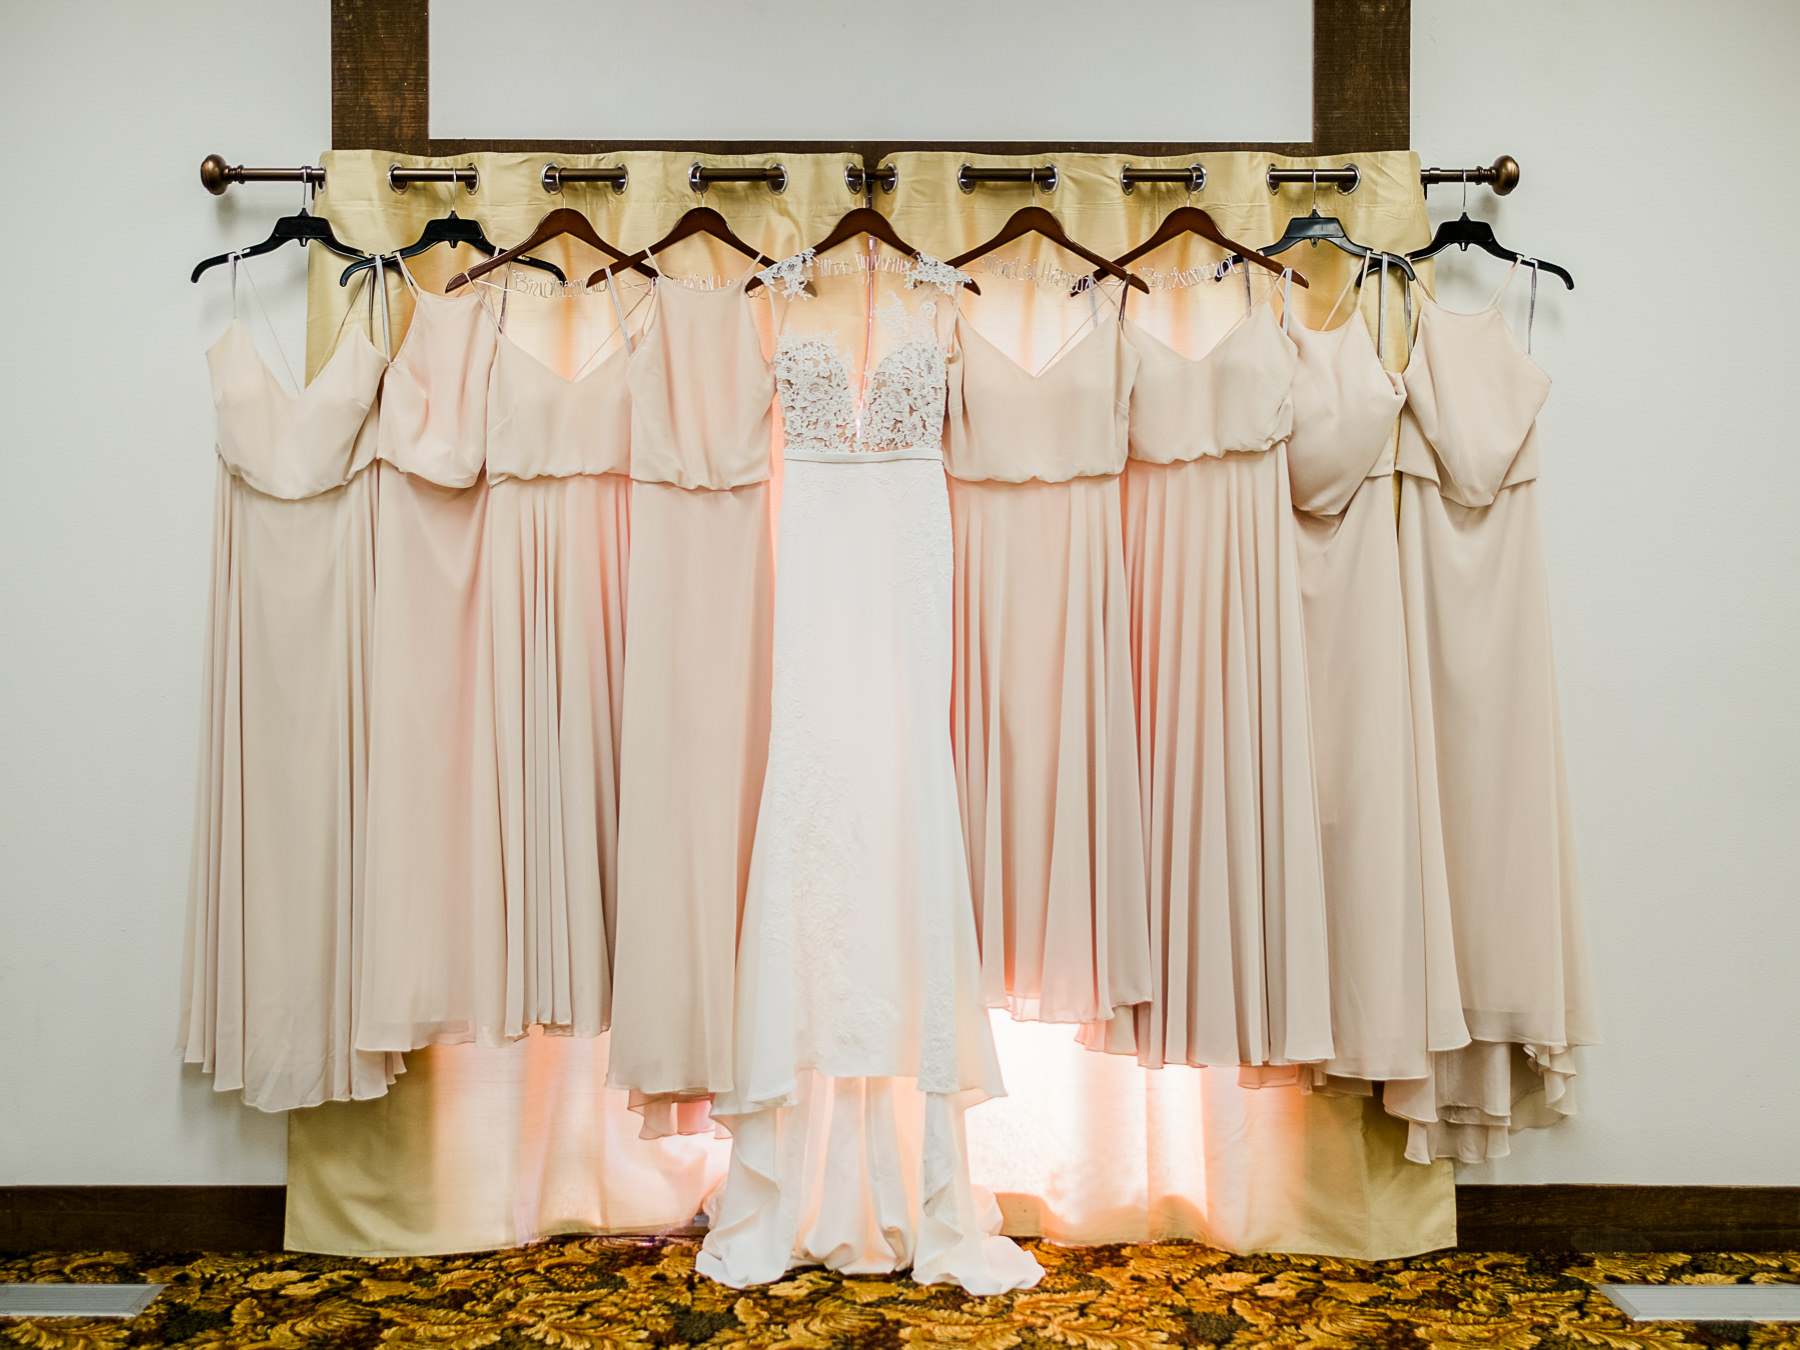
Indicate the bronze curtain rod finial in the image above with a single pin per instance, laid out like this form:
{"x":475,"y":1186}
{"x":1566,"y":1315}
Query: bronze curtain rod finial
{"x":1502,"y":176}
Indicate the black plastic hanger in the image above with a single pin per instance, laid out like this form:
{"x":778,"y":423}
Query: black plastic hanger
{"x":450,"y":229}
{"x":1316,"y":229}
{"x":1465,"y":231}
{"x":302,"y":227}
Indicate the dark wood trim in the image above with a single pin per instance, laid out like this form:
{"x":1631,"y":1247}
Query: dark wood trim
{"x":1362,"y":76}
{"x":1628,"y":1218}
{"x":142,"y":1218}
{"x":1489,"y":1218}
{"x":381,"y":75}
{"x":381,"y":92}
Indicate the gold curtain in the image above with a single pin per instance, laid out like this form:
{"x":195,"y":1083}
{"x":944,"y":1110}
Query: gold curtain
{"x":478,"y":1148}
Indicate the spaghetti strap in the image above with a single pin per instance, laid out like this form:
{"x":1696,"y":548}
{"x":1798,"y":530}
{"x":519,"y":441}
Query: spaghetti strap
{"x":268,"y":323}
{"x":1504,"y":283}
{"x":406,"y":272}
{"x":374,"y":283}
{"x":612,"y":289}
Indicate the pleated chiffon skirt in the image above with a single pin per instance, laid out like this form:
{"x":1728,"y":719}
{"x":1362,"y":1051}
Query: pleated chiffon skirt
{"x":1231,"y":824}
{"x":276,"y":904}
{"x":437,"y":966}
{"x":1394,"y":993}
{"x":1046,"y":748}
{"x":692,"y":751}
{"x":559,"y":551}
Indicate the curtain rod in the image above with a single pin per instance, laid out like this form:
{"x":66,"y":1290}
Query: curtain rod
{"x":216,"y":175}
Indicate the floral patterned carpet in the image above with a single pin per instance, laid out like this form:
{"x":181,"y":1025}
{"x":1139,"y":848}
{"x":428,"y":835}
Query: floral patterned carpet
{"x":576,"y":1293}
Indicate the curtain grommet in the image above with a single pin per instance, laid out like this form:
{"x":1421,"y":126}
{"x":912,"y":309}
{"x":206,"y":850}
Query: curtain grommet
{"x":778,"y":185}
{"x":695,"y":182}
{"x":1355,"y":180}
{"x":1051,"y":179}
{"x":551,"y":178}
{"x":1125,"y":184}
{"x":962,"y":179}
{"x":474,"y":179}
{"x":623,"y":181}
{"x":392,"y":185}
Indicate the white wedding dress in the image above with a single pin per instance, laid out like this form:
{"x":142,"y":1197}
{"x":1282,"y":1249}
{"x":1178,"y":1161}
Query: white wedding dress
{"x":860,"y":1034}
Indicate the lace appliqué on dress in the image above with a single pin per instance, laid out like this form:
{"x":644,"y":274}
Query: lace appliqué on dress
{"x":788,"y":277}
{"x":929,"y":271}
{"x":904,"y":406}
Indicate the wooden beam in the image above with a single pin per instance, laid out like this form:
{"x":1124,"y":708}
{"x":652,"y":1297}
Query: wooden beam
{"x":381,"y":75}
{"x":1362,"y":76}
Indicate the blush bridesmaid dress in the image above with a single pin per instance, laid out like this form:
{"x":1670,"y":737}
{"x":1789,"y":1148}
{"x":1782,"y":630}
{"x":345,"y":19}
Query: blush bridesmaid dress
{"x":1484,"y":698}
{"x":275,"y":907}
{"x":1236,"y":880}
{"x":696,"y":694}
{"x":1041,"y":707}
{"x":1394,"y":994}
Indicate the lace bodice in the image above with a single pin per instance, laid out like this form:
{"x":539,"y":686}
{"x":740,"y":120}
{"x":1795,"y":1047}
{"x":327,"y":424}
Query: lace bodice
{"x":903,"y":399}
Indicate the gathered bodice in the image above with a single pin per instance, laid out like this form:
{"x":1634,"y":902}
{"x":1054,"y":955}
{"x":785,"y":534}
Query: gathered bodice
{"x":295,"y":445}
{"x":1071,"y":420}
{"x":1472,"y":400}
{"x":435,"y":406}
{"x":1345,"y":404}
{"x":544,"y":424}
{"x":1235,"y":399}
{"x":701,"y":393}
{"x":901,"y":408}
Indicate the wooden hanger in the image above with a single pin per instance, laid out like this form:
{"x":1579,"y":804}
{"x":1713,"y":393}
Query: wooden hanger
{"x":563,"y":220}
{"x":450,"y":229}
{"x":1036,"y":220}
{"x":863,"y":220}
{"x":699,"y":220}
{"x":1192,"y":220}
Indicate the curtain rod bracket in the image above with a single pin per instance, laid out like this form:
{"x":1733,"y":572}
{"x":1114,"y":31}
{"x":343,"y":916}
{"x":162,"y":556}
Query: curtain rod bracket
{"x":857,"y":178}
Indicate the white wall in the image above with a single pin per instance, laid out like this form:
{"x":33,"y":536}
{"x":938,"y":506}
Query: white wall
{"x":1671,"y":476}
{"x":105,"y":509}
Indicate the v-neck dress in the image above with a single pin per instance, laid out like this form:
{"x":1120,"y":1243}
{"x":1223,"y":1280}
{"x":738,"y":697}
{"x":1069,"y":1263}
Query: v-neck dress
{"x":1484,"y":697}
{"x":559,"y":538}
{"x":276,"y":895}
{"x":1224,"y":734}
{"x":1041,"y":705}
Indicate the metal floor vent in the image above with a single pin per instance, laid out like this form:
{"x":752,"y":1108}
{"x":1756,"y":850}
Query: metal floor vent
{"x":76,"y":1300}
{"x":1707,"y":1302}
